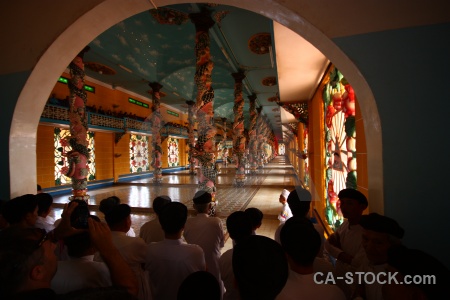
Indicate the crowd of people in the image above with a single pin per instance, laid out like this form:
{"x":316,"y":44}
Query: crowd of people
{"x":178,"y":257}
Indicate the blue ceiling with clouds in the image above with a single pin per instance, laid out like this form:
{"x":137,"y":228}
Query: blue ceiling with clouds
{"x":164,"y":53}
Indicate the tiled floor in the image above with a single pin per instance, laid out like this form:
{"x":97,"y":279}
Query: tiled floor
{"x":261,"y":190}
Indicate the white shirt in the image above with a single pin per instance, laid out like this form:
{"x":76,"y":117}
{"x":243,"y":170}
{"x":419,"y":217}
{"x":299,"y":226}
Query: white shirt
{"x":374,"y":291}
{"x":299,"y":286}
{"x":151,"y":231}
{"x":350,"y":238}
{"x":80,"y":273}
{"x":207,"y":232}
{"x":134,"y":252}
{"x":285,"y":213}
{"x":226,"y":272}
{"x":169,"y":262}
{"x":47,"y":223}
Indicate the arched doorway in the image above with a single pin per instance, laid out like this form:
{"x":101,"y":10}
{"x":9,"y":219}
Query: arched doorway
{"x":34,"y":94}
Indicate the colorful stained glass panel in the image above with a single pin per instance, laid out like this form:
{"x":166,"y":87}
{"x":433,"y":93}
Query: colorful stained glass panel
{"x":139,"y":153}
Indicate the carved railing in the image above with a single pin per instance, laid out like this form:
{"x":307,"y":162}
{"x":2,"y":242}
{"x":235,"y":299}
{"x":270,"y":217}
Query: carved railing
{"x":60,"y":114}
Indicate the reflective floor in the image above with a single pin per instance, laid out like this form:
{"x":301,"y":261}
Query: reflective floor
{"x":261,"y":190}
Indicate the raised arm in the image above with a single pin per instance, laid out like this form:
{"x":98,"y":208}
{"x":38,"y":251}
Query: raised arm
{"x":121,"y":273}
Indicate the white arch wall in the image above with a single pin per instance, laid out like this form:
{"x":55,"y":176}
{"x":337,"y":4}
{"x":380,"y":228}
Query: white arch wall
{"x":98,"y":18}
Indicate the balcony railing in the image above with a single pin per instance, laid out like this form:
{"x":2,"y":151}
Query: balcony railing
{"x":60,"y":115}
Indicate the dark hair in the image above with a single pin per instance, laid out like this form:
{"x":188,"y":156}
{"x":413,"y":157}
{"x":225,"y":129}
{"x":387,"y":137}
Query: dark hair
{"x":202,"y":197}
{"x":15,"y":210}
{"x":260,"y":267}
{"x":255,"y":216}
{"x":80,"y":215}
{"x":117,"y":214}
{"x":353,"y":194}
{"x":38,"y":188}
{"x":299,"y":201}
{"x":200,"y":285}
{"x":159,"y":202}
{"x":300,"y":240}
{"x":173,"y":217}
{"x":383,"y":224}
{"x":79,"y":244}
{"x":107,"y":204}
{"x":416,"y":262}
{"x":19,"y":253}
{"x":239,"y":225}
{"x":44,"y":201}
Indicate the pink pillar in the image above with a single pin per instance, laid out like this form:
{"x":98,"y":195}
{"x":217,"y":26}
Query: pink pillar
{"x":252,"y":145}
{"x":79,"y":155}
{"x":238,"y":129}
{"x":191,"y":137}
{"x":156,"y":135}
{"x":205,"y":147}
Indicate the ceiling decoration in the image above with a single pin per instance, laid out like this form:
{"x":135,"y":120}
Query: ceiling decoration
{"x":169,"y":16}
{"x":298,"y":110}
{"x":260,"y":43}
{"x":159,"y":46}
{"x":99,"y":68}
{"x":269,"y":81}
{"x":294,"y":127}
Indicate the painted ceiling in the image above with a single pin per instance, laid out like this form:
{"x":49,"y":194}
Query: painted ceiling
{"x":158,"y":46}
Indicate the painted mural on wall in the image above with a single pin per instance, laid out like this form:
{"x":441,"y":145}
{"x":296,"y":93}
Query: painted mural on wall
{"x":340,"y":151}
{"x":173,"y":156}
{"x":139,"y":153}
{"x":62,"y":148}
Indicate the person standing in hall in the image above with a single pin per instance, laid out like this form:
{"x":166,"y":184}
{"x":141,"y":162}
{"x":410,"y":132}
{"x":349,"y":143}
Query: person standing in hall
{"x":207,"y":232}
{"x":345,"y":243}
{"x":170,"y":261}
{"x":285,"y":213}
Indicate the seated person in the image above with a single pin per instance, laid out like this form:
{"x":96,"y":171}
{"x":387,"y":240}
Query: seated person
{"x":44,"y":221}
{"x":200,"y":285}
{"x":151,"y":231}
{"x":21,"y":211}
{"x":28,"y":262}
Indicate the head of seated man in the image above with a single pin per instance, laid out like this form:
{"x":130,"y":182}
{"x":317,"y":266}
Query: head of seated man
{"x":260,"y":267}
{"x":27,"y":261}
{"x":379,"y":235}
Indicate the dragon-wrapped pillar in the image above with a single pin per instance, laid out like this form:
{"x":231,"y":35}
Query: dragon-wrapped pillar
{"x":78,"y":156}
{"x":191,"y":137}
{"x":252,"y":145}
{"x":156,"y":132}
{"x":238,"y":129}
{"x":205,"y":146}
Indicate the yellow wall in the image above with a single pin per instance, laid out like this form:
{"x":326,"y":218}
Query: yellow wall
{"x":45,"y":162}
{"x":111,"y":159}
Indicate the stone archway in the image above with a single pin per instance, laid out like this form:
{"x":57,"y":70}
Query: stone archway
{"x":55,"y":58}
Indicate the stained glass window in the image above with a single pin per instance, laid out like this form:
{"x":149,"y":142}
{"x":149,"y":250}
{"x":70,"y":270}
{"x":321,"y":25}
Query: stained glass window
{"x":306,"y":160}
{"x":139,"y":153}
{"x":61,"y":146}
{"x":340,"y":158}
{"x":172,"y":153}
